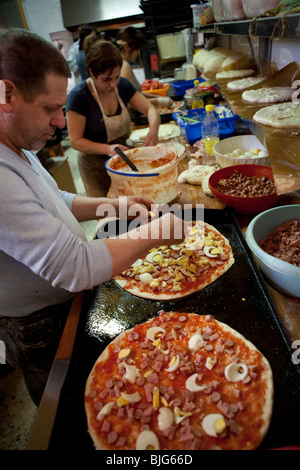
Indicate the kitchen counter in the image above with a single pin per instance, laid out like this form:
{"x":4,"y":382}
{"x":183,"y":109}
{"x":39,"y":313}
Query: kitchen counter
{"x":288,"y":307}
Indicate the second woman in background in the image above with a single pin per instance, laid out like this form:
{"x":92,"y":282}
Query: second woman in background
{"x":130,"y":41}
{"x":98,"y":119}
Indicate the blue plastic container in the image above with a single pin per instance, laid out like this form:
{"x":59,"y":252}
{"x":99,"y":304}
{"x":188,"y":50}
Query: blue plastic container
{"x":190,"y":122}
{"x":183,"y":85}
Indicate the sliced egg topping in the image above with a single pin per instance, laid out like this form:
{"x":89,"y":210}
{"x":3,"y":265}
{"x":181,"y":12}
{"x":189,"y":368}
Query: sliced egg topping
{"x":169,"y":412}
{"x":214,"y":424}
{"x":173,"y":364}
{"x":147,"y":440}
{"x":154,"y":331}
{"x":165,"y":418}
{"x":105,"y":410}
{"x":168,"y":266}
{"x":131,"y":372}
{"x":195,"y":342}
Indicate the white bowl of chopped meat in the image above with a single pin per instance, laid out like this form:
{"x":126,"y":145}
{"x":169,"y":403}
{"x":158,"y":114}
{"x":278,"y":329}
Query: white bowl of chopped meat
{"x":274,"y":238}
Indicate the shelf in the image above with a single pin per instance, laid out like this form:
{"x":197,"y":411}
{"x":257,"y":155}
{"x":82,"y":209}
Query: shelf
{"x":272,"y":27}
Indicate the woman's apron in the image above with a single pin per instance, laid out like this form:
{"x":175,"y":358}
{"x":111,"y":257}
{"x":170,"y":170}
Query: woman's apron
{"x":92,"y":167}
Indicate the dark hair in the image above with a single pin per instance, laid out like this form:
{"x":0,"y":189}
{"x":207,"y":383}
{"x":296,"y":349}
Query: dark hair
{"x":84,"y":32}
{"x":131,"y":36}
{"x":26,"y":59}
{"x":88,"y":41}
{"x":103,"y":56}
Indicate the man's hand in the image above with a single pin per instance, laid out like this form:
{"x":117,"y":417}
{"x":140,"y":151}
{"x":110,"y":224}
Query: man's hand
{"x":131,"y":207}
{"x":167,"y":229}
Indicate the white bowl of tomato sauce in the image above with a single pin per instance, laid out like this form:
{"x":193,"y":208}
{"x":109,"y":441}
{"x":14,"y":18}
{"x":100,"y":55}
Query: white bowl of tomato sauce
{"x":157,"y":178}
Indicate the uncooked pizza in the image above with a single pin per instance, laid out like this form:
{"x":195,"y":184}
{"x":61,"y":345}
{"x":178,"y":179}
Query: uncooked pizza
{"x":172,"y":272}
{"x":242,"y":83}
{"x":180,"y":381}
{"x":268,"y":95}
{"x":280,"y":116}
{"x":235,"y":73}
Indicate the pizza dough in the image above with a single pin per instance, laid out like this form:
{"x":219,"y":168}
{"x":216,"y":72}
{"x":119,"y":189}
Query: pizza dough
{"x":244,"y":83}
{"x":216,"y":59}
{"x":196,"y":174}
{"x":205,"y":186}
{"x":268,"y":95}
{"x":166,"y":131}
{"x":235,"y":73}
{"x":280,"y":116}
{"x":180,"y":381}
{"x":174,"y":272}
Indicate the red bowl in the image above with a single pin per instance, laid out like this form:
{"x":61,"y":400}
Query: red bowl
{"x":244,"y":205}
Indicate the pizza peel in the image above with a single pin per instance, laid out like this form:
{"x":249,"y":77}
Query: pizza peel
{"x":42,"y":428}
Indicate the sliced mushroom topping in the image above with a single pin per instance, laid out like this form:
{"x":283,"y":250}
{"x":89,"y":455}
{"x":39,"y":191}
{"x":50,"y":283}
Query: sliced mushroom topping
{"x":235,"y":372}
{"x":192,"y":386}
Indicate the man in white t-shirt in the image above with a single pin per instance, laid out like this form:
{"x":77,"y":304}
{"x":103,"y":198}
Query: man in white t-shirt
{"x":44,"y":255}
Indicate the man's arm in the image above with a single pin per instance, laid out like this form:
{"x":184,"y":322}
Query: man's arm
{"x":89,"y":208}
{"x":125,"y":250}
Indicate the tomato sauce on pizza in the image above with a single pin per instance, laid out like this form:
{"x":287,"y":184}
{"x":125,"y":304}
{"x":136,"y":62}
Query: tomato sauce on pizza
{"x":180,"y":381}
{"x":170,"y":272}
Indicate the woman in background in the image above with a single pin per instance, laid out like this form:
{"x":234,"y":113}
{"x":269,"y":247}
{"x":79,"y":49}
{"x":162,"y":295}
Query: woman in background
{"x":98,"y":119}
{"x":86,"y":32}
{"x":130,"y":41}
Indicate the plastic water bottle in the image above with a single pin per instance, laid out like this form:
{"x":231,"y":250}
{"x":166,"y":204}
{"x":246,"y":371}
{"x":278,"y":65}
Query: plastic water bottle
{"x":210,"y":135}
{"x":196,"y":97}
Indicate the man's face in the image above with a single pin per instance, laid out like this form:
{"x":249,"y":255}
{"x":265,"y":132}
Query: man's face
{"x":34,"y":123}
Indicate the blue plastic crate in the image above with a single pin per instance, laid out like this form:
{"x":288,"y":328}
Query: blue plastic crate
{"x":190,"y":122}
{"x":183,"y":85}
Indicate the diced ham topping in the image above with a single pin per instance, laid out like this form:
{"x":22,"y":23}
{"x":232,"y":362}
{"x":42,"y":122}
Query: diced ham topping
{"x":284,"y":242}
{"x":188,"y":402}
{"x":112,"y":437}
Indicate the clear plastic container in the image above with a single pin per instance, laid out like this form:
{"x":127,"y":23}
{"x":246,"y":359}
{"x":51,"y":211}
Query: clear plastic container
{"x":233,"y":10}
{"x":218,"y":11}
{"x":257,"y":7}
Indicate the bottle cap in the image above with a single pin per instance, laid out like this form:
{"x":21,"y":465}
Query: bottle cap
{"x":209,"y":108}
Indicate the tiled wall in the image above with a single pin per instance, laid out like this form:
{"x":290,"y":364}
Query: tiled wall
{"x":43,"y":16}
